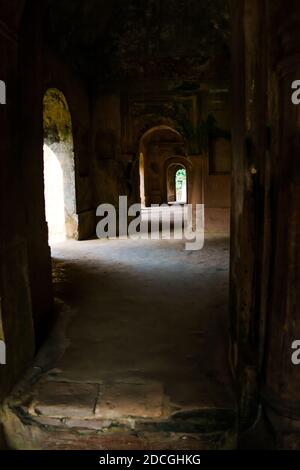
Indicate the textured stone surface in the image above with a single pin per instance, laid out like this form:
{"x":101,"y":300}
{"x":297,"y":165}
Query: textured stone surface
{"x":156,"y":340}
{"x":63,"y":400}
{"x":131,"y":441}
{"x":119,"y":400}
{"x":26,"y":437}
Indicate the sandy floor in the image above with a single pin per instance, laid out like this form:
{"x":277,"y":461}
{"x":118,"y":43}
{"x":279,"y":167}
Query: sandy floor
{"x":147,"y":310}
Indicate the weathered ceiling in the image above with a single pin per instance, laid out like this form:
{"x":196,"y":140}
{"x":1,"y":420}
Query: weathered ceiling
{"x":138,"y":38}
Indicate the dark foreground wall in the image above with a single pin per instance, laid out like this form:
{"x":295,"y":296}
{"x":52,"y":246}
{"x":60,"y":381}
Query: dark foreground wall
{"x":265,"y":215}
{"x":28,"y":69}
{"x":16,"y":306}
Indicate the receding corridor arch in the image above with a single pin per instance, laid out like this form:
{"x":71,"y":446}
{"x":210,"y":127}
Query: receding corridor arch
{"x":157,"y":146}
{"x":59,"y":168}
{"x":177,"y":189}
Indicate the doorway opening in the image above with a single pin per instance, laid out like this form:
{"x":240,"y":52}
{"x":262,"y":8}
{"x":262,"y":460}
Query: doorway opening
{"x":177,"y":184}
{"x":142,"y":179}
{"x":180,"y":184}
{"x":59,"y":168}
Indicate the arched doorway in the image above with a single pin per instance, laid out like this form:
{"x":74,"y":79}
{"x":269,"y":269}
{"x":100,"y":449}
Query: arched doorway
{"x":59,"y":168}
{"x":155,"y":148}
{"x":177,"y":184}
{"x":181,"y":186}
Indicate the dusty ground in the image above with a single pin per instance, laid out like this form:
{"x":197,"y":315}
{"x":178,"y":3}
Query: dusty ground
{"x":142,"y":345}
{"x":148,"y":310}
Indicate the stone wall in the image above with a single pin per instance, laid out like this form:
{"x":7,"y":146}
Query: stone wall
{"x":56,"y":74}
{"x":16,"y":307}
{"x":29,"y":68}
{"x":265,"y":215}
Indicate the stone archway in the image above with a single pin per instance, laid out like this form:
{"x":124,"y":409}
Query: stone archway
{"x":171,"y":166}
{"x":172,"y":171}
{"x":59,"y":168}
{"x":155,"y":148}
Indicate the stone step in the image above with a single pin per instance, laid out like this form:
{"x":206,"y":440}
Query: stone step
{"x":52,"y":414}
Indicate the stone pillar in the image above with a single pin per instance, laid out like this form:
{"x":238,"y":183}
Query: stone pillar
{"x":30,"y":121}
{"x":15,"y":309}
{"x":249,"y":60}
{"x":282,"y":379}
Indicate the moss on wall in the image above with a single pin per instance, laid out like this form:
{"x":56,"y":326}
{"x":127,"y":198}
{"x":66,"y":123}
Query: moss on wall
{"x":57,"y":120}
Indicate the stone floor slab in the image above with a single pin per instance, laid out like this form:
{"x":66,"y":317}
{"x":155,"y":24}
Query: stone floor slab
{"x":119,"y":400}
{"x":66,"y":400}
